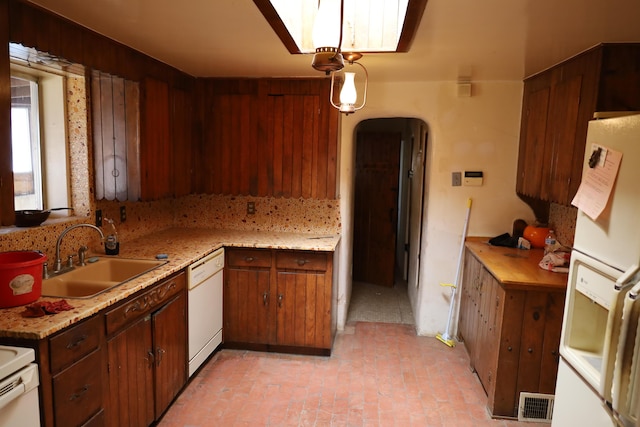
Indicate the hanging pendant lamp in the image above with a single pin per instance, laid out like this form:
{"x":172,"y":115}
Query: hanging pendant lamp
{"x":327,"y":39}
{"x":348,"y":94}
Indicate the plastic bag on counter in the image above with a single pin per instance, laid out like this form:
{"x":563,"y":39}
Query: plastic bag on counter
{"x":557,"y":261}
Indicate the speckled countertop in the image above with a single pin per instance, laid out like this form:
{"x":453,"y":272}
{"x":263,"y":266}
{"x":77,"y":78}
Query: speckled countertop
{"x":182,"y":245}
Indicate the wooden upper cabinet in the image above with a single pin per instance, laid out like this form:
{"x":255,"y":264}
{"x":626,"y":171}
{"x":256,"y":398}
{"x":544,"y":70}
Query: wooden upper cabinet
{"x":155,"y":140}
{"x":557,"y":106}
{"x":182,"y":141}
{"x":267,"y":137}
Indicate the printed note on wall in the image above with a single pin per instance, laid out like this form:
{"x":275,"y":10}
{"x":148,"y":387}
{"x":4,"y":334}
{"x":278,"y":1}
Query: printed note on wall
{"x":597,"y":181}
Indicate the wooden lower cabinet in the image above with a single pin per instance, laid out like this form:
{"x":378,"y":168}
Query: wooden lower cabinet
{"x":121,"y":367}
{"x":512,"y":335}
{"x":247,"y":296}
{"x":278,"y":299}
{"x":147,"y":363}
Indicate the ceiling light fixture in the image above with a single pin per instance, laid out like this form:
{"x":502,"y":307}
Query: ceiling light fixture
{"x":327,"y":40}
{"x":348,"y":93}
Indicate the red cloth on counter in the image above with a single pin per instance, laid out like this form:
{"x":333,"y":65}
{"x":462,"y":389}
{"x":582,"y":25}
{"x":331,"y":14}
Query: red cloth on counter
{"x":41,"y":308}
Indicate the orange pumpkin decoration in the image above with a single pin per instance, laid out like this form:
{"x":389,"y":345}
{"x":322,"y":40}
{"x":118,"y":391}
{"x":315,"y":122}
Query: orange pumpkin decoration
{"x":536,"y":235}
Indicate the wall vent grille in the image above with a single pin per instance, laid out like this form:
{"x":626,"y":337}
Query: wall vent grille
{"x":535,"y":407}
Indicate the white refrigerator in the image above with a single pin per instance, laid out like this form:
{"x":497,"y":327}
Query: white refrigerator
{"x":598,"y":362}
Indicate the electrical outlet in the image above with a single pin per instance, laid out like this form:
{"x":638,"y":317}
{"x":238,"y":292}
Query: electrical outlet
{"x":98,"y":218}
{"x":123,"y":213}
{"x":456,"y":179}
{"x":251,"y":208}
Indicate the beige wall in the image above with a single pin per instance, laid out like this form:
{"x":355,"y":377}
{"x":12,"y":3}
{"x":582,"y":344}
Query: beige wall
{"x":475,"y":133}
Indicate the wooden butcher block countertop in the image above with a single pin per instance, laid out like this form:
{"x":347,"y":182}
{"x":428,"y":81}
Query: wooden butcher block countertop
{"x":515,"y":268}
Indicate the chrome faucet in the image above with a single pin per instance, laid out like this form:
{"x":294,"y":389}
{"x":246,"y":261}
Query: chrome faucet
{"x":58,"y":266}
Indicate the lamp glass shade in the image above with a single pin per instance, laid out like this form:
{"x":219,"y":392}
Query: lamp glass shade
{"x":348,"y":94}
{"x":326,"y":27}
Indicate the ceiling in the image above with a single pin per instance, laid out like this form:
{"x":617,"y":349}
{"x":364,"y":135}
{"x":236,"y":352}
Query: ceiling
{"x":484,"y":40}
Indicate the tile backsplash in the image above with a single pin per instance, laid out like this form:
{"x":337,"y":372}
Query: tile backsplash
{"x":207,"y":211}
{"x":563,"y":221}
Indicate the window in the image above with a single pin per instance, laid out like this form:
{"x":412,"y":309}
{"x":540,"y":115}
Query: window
{"x":25,"y":140}
{"x":39,"y":139}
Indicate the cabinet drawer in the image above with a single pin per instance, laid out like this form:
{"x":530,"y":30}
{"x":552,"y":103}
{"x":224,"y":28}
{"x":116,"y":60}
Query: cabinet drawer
{"x":144,"y":303}
{"x":74,"y":343}
{"x":77,"y":392}
{"x":316,"y":261}
{"x":248,"y":257}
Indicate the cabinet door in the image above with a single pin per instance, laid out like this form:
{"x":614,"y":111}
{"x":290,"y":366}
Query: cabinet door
{"x":247,"y":302}
{"x":468,"y":308}
{"x":303,"y":315}
{"x":169,"y":343}
{"x":131,"y":364}
{"x":304,"y":299}
{"x":155,"y":142}
{"x":182,"y":137}
{"x":532,"y":138}
{"x":483,"y":355}
{"x":561,"y":134}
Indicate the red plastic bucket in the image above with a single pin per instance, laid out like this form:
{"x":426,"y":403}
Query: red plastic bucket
{"x":20,"y":277}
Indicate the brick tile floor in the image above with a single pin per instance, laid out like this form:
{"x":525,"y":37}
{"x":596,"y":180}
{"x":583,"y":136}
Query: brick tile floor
{"x":378,"y":375}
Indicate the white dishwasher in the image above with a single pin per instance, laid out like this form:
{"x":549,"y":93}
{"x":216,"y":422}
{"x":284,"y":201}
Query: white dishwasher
{"x":18,"y":387}
{"x":205,"y":307}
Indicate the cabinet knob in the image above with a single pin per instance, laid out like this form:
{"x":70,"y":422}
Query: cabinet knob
{"x":302,"y":262}
{"x":280,"y":298}
{"x":509,"y":348}
{"x":249,"y":259}
{"x":265,"y":297}
{"x":530,"y":350}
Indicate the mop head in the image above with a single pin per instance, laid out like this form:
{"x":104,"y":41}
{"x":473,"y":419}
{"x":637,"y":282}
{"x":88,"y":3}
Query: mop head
{"x":446,"y":339}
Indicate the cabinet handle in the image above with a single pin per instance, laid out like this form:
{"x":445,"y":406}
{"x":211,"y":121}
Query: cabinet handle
{"x":265,"y":297}
{"x":151,"y":358}
{"x":80,"y":393}
{"x":280,"y":298}
{"x":77,"y":342}
{"x":160,"y":352}
{"x":302,"y":262}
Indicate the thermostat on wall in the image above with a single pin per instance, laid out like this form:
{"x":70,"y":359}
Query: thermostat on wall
{"x":473,"y":178}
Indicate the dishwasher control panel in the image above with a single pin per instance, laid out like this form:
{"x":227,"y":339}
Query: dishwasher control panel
{"x":204,"y":268}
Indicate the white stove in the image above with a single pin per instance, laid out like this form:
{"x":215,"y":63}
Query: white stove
{"x":18,"y":387}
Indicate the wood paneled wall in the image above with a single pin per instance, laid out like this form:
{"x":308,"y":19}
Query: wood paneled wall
{"x":260,"y":137}
{"x":268,"y":137}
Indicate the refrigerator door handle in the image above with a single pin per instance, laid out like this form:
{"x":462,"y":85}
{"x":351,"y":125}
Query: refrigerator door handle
{"x":627,"y":278}
{"x":614,"y":331}
{"x":624,"y":356}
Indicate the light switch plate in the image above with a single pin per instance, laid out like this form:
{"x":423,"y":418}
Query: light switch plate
{"x":456,"y":179}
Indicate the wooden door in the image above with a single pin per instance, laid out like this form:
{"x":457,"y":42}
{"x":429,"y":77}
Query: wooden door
{"x":169,"y":342}
{"x":131,"y":364}
{"x":247,"y":301}
{"x":376,"y":207}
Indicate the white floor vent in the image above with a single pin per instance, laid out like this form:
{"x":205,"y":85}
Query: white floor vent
{"x":535,"y":407}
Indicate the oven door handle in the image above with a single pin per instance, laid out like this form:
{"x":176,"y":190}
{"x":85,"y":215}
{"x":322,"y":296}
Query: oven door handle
{"x":10,"y":396}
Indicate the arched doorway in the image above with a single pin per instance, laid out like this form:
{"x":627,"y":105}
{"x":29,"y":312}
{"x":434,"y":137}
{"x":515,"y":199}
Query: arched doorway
{"x":388,"y":216}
